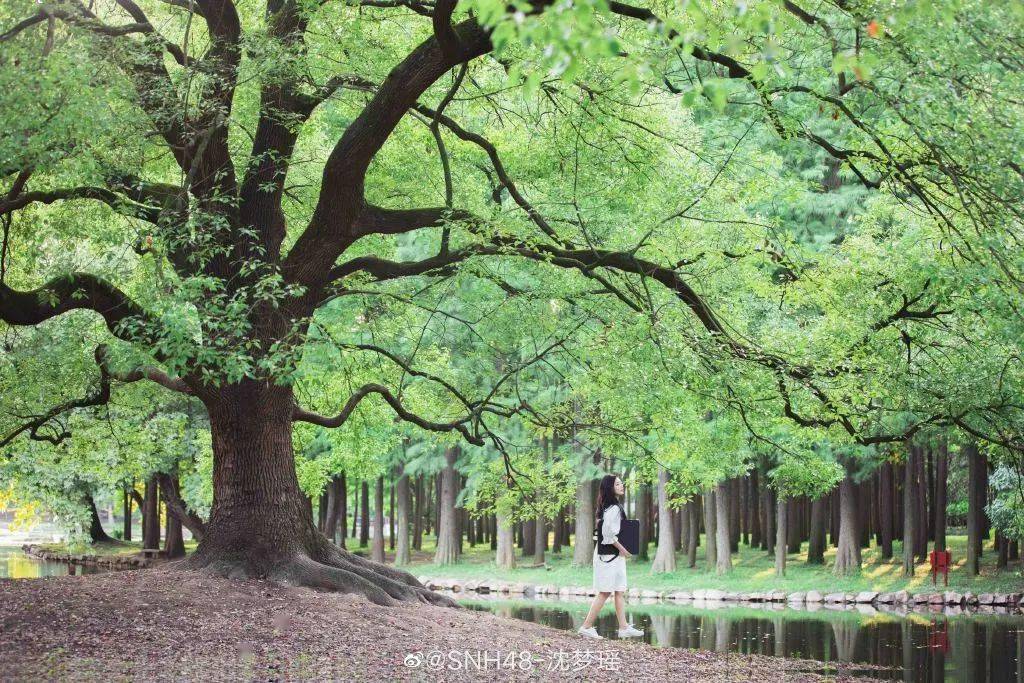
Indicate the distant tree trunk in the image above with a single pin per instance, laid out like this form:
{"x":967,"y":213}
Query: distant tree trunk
{"x":377,"y":553}
{"x":771,"y":517}
{"x":151,"y":515}
{"x":793,"y":532}
{"x":781,"y":525}
{"x":364,"y":519}
{"x":710,"y":540}
{"x":343,"y":511}
{"x":733,"y":485}
{"x":693,"y":526}
{"x":920,"y":497}
{"x":505,"y":554}
{"x":540,"y":537}
{"x":941,"y":484}
{"x":528,"y":533}
{"x":174,"y":542}
{"x":816,"y":542}
{"x":643,"y":507}
{"x":355,"y":511}
{"x":402,"y":555}
{"x":848,"y":552}
{"x":391,"y":514}
{"x":665,"y":557}
{"x":834,"y":525}
{"x":128,"y":503}
{"x":96,"y":532}
{"x":417,"y":516}
{"x":331,"y":515}
{"x":756,"y":541}
{"x":975,"y":500}
{"x":722,"y":529}
{"x":885,"y":508}
{"x":557,"y":531}
{"x":1004,"y":551}
{"x":910,"y":520}
{"x":447,"y":528}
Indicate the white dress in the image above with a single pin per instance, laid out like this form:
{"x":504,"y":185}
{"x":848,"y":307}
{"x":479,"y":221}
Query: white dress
{"x":609,"y":576}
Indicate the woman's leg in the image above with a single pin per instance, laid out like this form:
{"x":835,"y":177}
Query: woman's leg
{"x":620,"y":608}
{"x":595,"y":607}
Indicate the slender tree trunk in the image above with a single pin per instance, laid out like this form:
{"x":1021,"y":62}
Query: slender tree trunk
{"x":781,"y":525}
{"x":941,"y":477}
{"x":128,"y":504}
{"x":355,"y":511}
{"x":974,"y":504}
{"x":693,"y":531}
{"x":378,"y":521}
{"x":920,"y":497}
{"x":505,"y":554}
{"x":723,"y":564}
{"x":96,"y":532}
{"x":402,"y":555}
{"x":418,"y":514}
{"x":391,"y":514}
{"x":910,"y":520}
{"x":710,"y":533}
{"x":540,"y":537}
{"x":151,"y":515}
{"x":364,"y":509}
{"x":643,"y":516}
{"x":793,"y":532}
{"x":734,"y":514}
{"x":816,"y":542}
{"x":342,"y":511}
{"x":848,"y":552}
{"x":447,"y":528}
{"x":885,"y":508}
{"x":756,"y":540}
{"x":331,"y":515}
{"x":665,"y":557}
{"x":771,"y":517}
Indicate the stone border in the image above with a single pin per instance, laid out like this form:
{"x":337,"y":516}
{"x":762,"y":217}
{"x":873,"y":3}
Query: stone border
{"x":112,"y":562}
{"x":798,"y":599}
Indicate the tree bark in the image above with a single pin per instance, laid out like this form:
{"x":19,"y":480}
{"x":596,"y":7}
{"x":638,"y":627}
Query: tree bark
{"x":419,"y":513}
{"x":402,"y":555}
{"x":378,"y":521}
{"x":941,"y":487}
{"x":910,"y":520}
{"x":151,"y":515}
{"x":781,"y":525}
{"x":771,"y":518}
{"x":174,"y":542}
{"x":505,"y":553}
{"x":723,"y":562}
{"x":665,"y":556}
{"x":710,"y":540}
{"x":540,"y":536}
{"x":848,"y":552}
{"x":447,"y":543}
{"x":331,"y":515}
{"x":974,"y":503}
{"x":96,"y":532}
{"x":643,"y":507}
{"x":756,"y":540}
{"x":816,"y":542}
{"x":693,"y":523}
{"x":261,"y":525}
{"x":885,"y":508}
{"x":364,"y":517}
{"x":128,"y":504}
{"x":735,"y":493}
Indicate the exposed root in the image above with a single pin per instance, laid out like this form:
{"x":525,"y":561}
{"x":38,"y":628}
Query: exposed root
{"x":305,"y":571}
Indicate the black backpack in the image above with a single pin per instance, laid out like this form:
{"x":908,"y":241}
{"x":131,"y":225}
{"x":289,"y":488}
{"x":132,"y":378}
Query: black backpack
{"x":606,"y":548}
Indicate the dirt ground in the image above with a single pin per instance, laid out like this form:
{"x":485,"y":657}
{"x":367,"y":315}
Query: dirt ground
{"x":163,"y":625}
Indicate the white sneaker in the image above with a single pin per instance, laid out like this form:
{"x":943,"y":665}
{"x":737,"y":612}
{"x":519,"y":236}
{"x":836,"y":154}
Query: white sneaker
{"x":630,"y":632}
{"x":589,"y":632}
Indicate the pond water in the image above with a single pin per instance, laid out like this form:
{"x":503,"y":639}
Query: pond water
{"x":916,"y":647}
{"x":15,"y":564}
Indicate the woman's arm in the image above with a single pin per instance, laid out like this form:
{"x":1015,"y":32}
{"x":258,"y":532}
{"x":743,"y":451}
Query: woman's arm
{"x":611,"y":523}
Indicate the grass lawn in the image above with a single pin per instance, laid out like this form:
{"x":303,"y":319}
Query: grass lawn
{"x":753,"y":570}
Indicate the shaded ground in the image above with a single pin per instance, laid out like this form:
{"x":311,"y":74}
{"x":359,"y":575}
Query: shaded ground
{"x":155,"y":624}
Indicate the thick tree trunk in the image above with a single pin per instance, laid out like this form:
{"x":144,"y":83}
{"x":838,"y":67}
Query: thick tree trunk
{"x":693,"y":522}
{"x":583,"y":541}
{"x":447,"y":542}
{"x":781,"y":524}
{"x":885,"y":508}
{"x":941,"y":484}
{"x":505,"y":553}
{"x":723,"y":563}
{"x":793,"y":532}
{"x":665,"y":557}
{"x":96,"y":532}
{"x":816,"y":543}
{"x":377,"y":552}
{"x":710,"y":541}
{"x":402,"y":555}
{"x":261,"y":524}
{"x":151,"y":515}
{"x":848,"y":552}
{"x":910,"y":520}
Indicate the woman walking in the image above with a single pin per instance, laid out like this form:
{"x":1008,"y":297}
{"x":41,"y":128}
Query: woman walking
{"x":609,"y":559}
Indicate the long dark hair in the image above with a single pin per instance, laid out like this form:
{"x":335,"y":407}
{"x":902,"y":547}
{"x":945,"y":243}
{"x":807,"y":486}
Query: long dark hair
{"x":606,"y":496}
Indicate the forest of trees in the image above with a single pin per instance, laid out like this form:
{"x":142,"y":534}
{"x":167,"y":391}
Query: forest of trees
{"x":270,"y":265}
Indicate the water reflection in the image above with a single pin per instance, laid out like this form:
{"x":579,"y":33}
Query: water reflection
{"x":15,"y":564}
{"x":915,"y":647}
